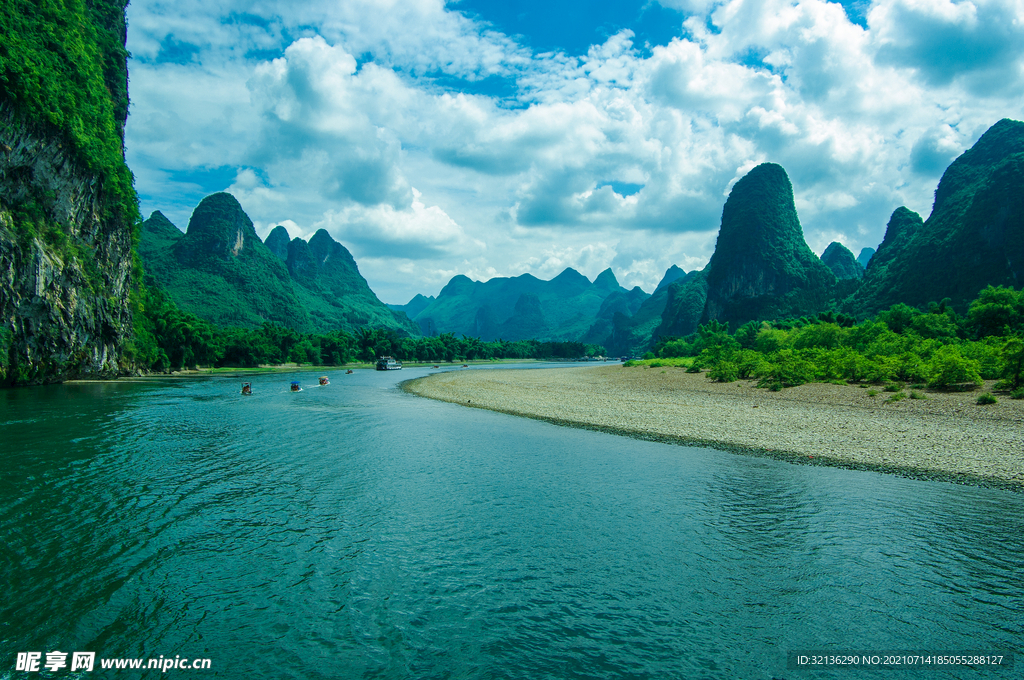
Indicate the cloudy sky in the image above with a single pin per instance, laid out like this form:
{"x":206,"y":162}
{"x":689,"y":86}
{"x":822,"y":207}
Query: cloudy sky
{"x":493,"y":138}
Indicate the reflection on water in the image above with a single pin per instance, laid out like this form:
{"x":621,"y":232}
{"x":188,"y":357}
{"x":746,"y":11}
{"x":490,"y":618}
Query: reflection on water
{"x":356,"y":531}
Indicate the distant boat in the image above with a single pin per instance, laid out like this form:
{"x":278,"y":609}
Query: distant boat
{"x":247,"y":389}
{"x":388,"y":364}
{"x":324,"y":381}
{"x":349,"y":372}
{"x":295,"y":386}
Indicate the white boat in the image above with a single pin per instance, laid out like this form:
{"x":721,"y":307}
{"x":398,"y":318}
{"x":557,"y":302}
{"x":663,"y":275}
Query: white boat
{"x":388,"y":364}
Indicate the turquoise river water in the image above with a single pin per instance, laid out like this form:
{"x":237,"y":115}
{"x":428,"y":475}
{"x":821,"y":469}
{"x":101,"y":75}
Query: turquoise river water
{"x":356,"y":531}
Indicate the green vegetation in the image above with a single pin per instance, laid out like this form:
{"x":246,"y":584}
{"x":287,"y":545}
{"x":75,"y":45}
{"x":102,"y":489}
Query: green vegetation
{"x":63,"y":70}
{"x":973,"y":238}
{"x":568,"y":307}
{"x":987,"y":398}
{"x":900,"y":346}
{"x":221,"y":271}
{"x":842,"y":262}
{"x":169,"y":339}
{"x":761,"y":267}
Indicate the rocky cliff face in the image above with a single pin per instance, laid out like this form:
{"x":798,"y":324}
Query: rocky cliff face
{"x":65,"y":264}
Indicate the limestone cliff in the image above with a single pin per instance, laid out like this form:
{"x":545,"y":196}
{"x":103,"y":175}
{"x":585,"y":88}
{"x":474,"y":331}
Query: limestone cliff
{"x":66,"y":202}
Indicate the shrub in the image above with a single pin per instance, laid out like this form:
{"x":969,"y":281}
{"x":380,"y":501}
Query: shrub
{"x":724,"y":371}
{"x":748,"y":363}
{"x":996,"y":311}
{"x":949,"y":367}
{"x":898,"y":317}
{"x":1012,"y":355}
{"x":899,"y":396}
{"x":894,"y":387}
{"x":678,"y":348}
{"x":914,"y":394}
{"x":693,"y":369}
{"x":987,"y":398}
{"x":986,"y":353}
{"x":770,"y":340}
{"x":788,"y":369}
{"x":872,"y":393}
{"x":823,"y":335}
{"x":1017,"y":393}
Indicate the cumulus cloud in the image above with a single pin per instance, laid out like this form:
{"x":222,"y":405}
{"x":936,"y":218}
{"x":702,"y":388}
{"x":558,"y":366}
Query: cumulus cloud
{"x":328,"y":115}
{"x":975,"y":41}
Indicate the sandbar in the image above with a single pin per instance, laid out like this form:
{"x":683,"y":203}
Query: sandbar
{"x":946,"y":437}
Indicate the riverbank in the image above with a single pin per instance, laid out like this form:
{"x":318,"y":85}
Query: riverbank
{"x":946,"y":436}
{"x":242,"y":372}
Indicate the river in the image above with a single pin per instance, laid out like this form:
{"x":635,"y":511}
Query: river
{"x":356,"y":531}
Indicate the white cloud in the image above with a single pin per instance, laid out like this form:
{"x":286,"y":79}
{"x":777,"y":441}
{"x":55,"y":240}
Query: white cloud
{"x":327,"y":115}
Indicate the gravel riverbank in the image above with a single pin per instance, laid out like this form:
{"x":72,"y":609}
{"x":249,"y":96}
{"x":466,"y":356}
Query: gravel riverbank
{"x":946,"y":436}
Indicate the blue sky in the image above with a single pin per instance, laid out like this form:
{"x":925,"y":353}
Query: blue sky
{"x":493,"y":139}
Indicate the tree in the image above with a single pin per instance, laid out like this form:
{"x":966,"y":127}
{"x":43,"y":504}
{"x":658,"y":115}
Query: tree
{"x":996,"y":311}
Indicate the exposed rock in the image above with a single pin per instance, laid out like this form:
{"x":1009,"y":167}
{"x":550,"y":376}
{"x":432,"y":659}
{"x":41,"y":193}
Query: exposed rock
{"x":65,"y":264}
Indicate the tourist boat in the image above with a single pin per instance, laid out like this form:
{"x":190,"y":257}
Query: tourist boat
{"x":295,"y":386}
{"x":349,"y":372}
{"x":388,"y":364}
{"x":324,"y":381}
{"x":247,"y":389}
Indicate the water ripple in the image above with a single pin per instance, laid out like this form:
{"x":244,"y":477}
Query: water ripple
{"x":355,"y":531}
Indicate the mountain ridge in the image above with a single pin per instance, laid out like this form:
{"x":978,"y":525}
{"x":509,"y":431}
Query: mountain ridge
{"x":221,"y":271}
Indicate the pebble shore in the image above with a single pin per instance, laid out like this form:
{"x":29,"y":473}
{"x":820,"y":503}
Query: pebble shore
{"x":947,"y":436}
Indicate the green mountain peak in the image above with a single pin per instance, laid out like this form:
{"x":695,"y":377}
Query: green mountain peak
{"x":606,"y":280}
{"x":841,"y":261}
{"x":277,"y":241}
{"x":973,"y":238}
{"x":762,"y":267}
{"x":219,"y":228}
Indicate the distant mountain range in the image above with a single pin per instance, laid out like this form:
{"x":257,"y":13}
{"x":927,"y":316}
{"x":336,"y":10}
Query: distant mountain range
{"x":523,"y":307}
{"x":761,"y":268}
{"x":221,"y":271}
